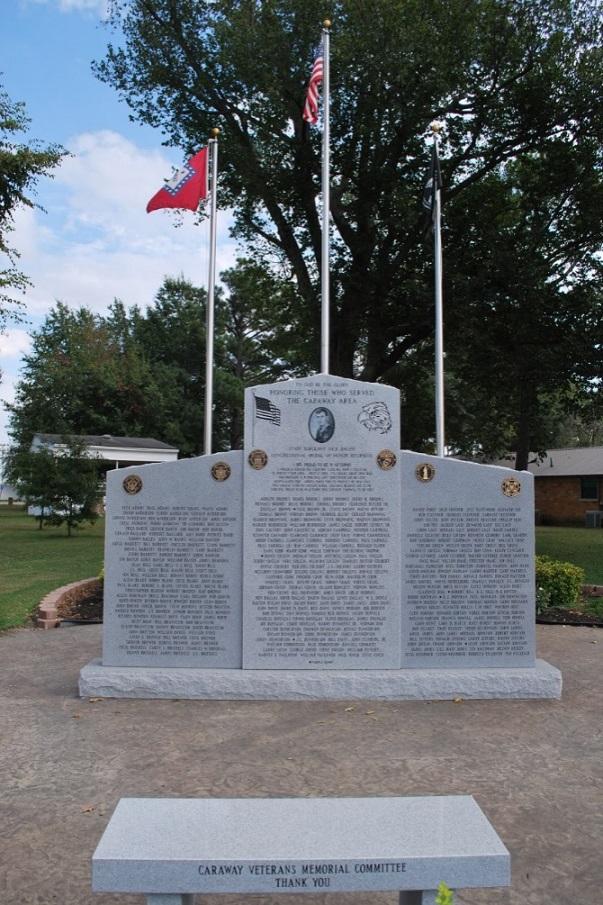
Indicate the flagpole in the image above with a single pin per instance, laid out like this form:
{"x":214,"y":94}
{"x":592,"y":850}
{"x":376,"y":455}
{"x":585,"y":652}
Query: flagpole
{"x":436,"y":128}
{"x":325,"y":268}
{"x":211,"y":281}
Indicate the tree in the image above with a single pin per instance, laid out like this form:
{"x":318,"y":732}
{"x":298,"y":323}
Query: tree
{"x":529,"y":332}
{"x":170,"y":336}
{"x":253,"y":317}
{"x":583,"y":425}
{"x":33,"y":475}
{"x":135,"y":373}
{"x":84,"y":375}
{"x":511,"y":78}
{"x":21,"y":165}
{"x":62,"y":483}
{"x":75,"y":489}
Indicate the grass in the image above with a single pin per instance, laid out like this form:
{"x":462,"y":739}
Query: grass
{"x":580,"y":546}
{"x":34,"y":562}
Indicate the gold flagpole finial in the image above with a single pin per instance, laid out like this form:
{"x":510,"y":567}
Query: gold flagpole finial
{"x":327,"y":23}
{"x":214,"y":133}
{"x":436,"y":126}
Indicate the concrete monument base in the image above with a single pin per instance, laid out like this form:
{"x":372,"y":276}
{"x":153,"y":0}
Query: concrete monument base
{"x":541,"y":681}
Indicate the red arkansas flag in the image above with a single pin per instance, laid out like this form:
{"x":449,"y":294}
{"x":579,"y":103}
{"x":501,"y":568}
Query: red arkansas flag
{"x":186,"y":188}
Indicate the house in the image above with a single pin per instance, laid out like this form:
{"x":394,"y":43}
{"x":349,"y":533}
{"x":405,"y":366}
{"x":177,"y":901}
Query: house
{"x":119,"y":451}
{"x":568,"y":487}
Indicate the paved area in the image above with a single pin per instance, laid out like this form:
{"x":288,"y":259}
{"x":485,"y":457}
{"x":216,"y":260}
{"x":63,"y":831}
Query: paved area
{"x":535,"y":768}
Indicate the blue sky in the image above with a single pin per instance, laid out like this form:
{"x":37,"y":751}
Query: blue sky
{"x":94,"y":242}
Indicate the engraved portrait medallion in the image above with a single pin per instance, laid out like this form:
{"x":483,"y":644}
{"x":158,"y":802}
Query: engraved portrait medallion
{"x":321,"y":424}
{"x":220,"y":471}
{"x":511,"y":486}
{"x":425,"y":472}
{"x":386,"y":459}
{"x":258,"y":459}
{"x":132,"y":484}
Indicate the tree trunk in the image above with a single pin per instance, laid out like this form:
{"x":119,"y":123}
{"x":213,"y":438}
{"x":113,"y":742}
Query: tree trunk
{"x":236,"y":429}
{"x":527,"y":398}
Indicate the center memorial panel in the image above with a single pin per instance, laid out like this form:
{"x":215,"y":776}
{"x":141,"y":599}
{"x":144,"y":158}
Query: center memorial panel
{"x":321,"y":526}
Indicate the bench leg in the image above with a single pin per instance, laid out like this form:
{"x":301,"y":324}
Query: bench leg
{"x":169,"y":898}
{"x":418,"y":897}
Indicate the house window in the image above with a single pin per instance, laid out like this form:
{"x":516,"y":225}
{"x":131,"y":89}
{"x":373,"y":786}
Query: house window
{"x":589,"y":489}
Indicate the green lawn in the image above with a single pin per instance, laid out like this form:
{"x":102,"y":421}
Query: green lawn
{"x":580,"y":546}
{"x":34,"y":562}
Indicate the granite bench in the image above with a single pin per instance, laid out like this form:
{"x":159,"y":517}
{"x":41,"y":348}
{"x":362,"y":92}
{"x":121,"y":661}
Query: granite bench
{"x":171,"y":848}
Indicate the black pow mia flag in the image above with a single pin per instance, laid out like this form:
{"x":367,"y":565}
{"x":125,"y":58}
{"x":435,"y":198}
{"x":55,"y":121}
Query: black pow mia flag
{"x":433,"y":185}
{"x":267,"y":411}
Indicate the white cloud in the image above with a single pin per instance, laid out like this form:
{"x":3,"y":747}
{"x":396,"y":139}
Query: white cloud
{"x":14,"y":343}
{"x":68,"y":6}
{"x":97,"y":242}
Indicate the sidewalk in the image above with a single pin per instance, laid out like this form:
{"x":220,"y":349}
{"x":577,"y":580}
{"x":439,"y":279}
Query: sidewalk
{"x":535,"y":768}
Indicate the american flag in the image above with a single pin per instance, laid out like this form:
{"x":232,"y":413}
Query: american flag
{"x":310,"y":113}
{"x":267,"y":411}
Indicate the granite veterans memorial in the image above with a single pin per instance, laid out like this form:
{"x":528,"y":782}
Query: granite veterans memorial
{"x":320,"y":561}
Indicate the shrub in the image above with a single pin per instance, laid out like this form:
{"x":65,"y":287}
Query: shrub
{"x":558,"y":584}
{"x":445,"y":895}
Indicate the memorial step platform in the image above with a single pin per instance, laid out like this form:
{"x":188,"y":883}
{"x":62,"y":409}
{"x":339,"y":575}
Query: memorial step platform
{"x":541,"y":681}
{"x":169,"y":849}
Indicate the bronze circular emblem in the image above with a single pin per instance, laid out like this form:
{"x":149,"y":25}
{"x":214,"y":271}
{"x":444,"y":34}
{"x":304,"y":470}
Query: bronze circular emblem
{"x":220,"y":471}
{"x":132,"y":483}
{"x":425,"y":472}
{"x":511,"y":486}
{"x":386,"y":459}
{"x":258,"y":459}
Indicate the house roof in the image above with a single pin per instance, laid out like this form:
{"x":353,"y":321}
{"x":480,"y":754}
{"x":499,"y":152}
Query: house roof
{"x":581,"y":461}
{"x":111,"y":442}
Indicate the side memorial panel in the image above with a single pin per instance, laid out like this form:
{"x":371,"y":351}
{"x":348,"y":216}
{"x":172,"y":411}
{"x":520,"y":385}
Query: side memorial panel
{"x":322,"y":526}
{"x":467,"y":564}
{"x":173,"y":564}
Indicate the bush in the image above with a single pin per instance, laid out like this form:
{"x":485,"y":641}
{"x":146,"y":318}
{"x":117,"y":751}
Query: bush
{"x":445,"y":895}
{"x":558,"y":584}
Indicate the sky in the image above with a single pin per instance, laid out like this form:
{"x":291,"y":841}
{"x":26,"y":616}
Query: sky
{"x":93,"y":241}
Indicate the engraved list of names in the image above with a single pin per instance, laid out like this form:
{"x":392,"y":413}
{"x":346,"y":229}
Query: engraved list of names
{"x":321,"y":526}
{"x":467,"y":566}
{"x":173,"y":567}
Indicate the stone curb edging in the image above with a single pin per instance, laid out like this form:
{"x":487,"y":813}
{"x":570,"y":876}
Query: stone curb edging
{"x":48,"y":608}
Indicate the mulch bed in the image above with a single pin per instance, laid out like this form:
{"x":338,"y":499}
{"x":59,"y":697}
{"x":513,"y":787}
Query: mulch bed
{"x":561,"y":616}
{"x":86,"y":607}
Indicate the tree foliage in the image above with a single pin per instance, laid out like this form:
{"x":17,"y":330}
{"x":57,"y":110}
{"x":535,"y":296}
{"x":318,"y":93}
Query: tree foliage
{"x":63,"y":484}
{"x":76,"y":488}
{"x":142,"y":374}
{"x":21,"y":165}
{"x":83,"y":375}
{"x":518,"y":85}
{"x":530,"y":332}
{"x":32,"y":474}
